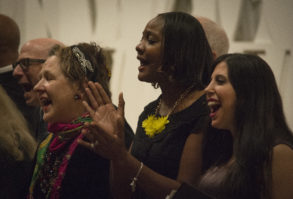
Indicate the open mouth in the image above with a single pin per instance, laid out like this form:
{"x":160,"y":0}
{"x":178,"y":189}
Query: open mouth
{"x":27,"y":87}
{"x":142,"y":61}
{"x":214,"y":106}
{"x":45,"y":102}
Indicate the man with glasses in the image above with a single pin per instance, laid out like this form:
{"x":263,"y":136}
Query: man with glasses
{"x":26,"y":69}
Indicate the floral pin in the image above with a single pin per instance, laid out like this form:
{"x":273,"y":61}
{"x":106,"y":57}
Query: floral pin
{"x":154,"y":125}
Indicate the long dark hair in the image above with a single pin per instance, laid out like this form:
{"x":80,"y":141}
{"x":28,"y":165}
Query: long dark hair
{"x":260,"y":124}
{"x":186,"y":52}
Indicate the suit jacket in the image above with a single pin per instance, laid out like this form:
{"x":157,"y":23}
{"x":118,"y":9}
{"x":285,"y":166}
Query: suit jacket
{"x":15,"y":92}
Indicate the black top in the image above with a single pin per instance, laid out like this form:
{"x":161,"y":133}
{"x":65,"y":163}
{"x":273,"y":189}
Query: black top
{"x":162,"y":153}
{"x":14,"y":176}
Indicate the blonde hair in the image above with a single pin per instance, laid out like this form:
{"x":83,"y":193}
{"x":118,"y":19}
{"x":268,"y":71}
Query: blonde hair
{"x":16,"y":142}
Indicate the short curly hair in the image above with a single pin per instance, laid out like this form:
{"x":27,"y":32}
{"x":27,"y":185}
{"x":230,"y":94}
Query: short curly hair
{"x":72,"y":67}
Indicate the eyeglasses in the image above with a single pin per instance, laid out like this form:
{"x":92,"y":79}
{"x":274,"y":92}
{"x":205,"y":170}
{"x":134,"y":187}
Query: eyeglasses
{"x":25,"y":63}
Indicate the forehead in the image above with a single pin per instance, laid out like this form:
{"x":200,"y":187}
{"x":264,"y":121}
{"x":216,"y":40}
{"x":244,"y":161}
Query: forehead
{"x":155,"y":26}
{"x":221,"y":68}
{"x":52,"y":64}
{"x":33,"y":50}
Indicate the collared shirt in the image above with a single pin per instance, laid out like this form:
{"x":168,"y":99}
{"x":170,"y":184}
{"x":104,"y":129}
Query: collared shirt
{"x":6,"y":69}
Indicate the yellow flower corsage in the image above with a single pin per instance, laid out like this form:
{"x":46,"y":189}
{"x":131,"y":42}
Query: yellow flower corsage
{"x":154,"y":125}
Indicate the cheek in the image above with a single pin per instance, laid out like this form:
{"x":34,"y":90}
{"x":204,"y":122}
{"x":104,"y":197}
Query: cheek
{"x":33,"y":75}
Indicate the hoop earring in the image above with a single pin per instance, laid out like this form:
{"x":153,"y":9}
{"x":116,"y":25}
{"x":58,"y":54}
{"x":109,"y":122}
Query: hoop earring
{"x":155,"y":85}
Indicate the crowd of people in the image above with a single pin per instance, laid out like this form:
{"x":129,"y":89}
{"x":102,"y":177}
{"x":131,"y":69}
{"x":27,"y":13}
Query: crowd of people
{"x":217,"y":130}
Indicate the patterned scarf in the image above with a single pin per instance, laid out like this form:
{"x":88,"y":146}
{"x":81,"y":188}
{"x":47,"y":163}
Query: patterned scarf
{"x":61,"y":134}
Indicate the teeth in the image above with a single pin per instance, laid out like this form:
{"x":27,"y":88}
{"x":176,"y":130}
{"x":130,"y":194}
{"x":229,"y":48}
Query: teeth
{"x":45,"y":101}
{"x":213,"y":103}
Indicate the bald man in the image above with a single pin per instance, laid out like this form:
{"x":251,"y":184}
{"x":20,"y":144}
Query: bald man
{"x":216,"y":36}
{"x":26,"y":70}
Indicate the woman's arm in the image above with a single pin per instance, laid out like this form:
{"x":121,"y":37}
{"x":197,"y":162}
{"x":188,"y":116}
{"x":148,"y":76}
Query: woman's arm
{"x":282,"y":172}
{"x":155,"y":185}
{"x":107,"y":129}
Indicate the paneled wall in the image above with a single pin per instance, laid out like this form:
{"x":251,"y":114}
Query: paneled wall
{"x":263,"y":27}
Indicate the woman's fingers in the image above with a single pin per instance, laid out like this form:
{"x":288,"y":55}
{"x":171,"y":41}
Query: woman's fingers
{"x":86,"y":144}
{"x":97,"y":96}
{"x":121,"y":105}
{"x":105,"y":133}
{"x":94,"y":95}
{"x":103,"y":95}
{"x":89,"y":109}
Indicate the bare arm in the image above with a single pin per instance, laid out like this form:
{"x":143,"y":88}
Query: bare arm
{"x":107,"y":128}
{"x":191,"y":160}
{"x":154,"y":184}
{"x":282,"y":172}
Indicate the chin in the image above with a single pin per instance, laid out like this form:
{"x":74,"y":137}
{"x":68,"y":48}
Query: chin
{"x":216,"y":124}
{"x":140,"y":78}
{"x":219,"y":125}
{"x":49,"y":119}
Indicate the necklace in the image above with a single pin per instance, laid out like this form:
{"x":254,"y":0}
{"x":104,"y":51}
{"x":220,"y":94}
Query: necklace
{"x":154,"y":124}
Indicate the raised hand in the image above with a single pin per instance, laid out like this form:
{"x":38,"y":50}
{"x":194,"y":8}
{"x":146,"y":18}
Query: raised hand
{"x":105,"y":133}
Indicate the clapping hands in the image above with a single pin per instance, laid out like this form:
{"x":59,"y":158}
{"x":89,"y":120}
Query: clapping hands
{"x":105,"y":134}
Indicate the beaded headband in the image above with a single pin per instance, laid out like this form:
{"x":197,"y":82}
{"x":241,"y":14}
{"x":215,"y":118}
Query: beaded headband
{"x":85,"y":64}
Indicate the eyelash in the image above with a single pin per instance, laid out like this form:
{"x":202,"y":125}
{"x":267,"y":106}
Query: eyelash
{"x":220,"y":80}
{"x":151,"y":41}
{"x":48,"y":77}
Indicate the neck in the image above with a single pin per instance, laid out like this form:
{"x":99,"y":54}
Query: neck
{"x":176,"y":98}
{"x":171,"y":92}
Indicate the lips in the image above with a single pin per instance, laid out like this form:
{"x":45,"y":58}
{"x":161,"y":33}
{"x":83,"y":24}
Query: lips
{"x":45,"y":103}
{"x":142,"y":61}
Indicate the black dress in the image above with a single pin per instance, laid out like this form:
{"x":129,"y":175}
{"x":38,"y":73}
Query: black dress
{"x":162,"y":153}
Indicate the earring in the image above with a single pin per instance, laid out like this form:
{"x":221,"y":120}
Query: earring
{"x":76,"y":97}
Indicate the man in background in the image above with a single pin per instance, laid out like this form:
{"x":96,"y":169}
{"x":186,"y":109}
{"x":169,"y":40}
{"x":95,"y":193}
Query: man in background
{"x":26,"y":70}
{"x":216,"y":36}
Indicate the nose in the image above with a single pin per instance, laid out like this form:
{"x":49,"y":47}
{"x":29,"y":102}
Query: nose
{"x":139,"y":47}
{"x":17,"y":72}
{"x":39,"y":87}
{"x":209,"y":90}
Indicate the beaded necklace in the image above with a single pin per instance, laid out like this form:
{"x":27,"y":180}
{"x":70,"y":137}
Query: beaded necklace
{"x":154,"y":124}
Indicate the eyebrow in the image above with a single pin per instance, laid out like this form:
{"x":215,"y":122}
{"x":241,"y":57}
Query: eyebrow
{"x":148,"y":33}
{"x":47,"y":73}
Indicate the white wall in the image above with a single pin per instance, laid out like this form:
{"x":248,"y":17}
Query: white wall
{"x":118,"y":24}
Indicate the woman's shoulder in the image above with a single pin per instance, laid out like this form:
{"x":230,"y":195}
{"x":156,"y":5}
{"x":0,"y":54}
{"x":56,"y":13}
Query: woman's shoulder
{"x":282,"y":171}
{"x":282,"y":160}
{"x":195,"y":110}
{"x":283,"y":150}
